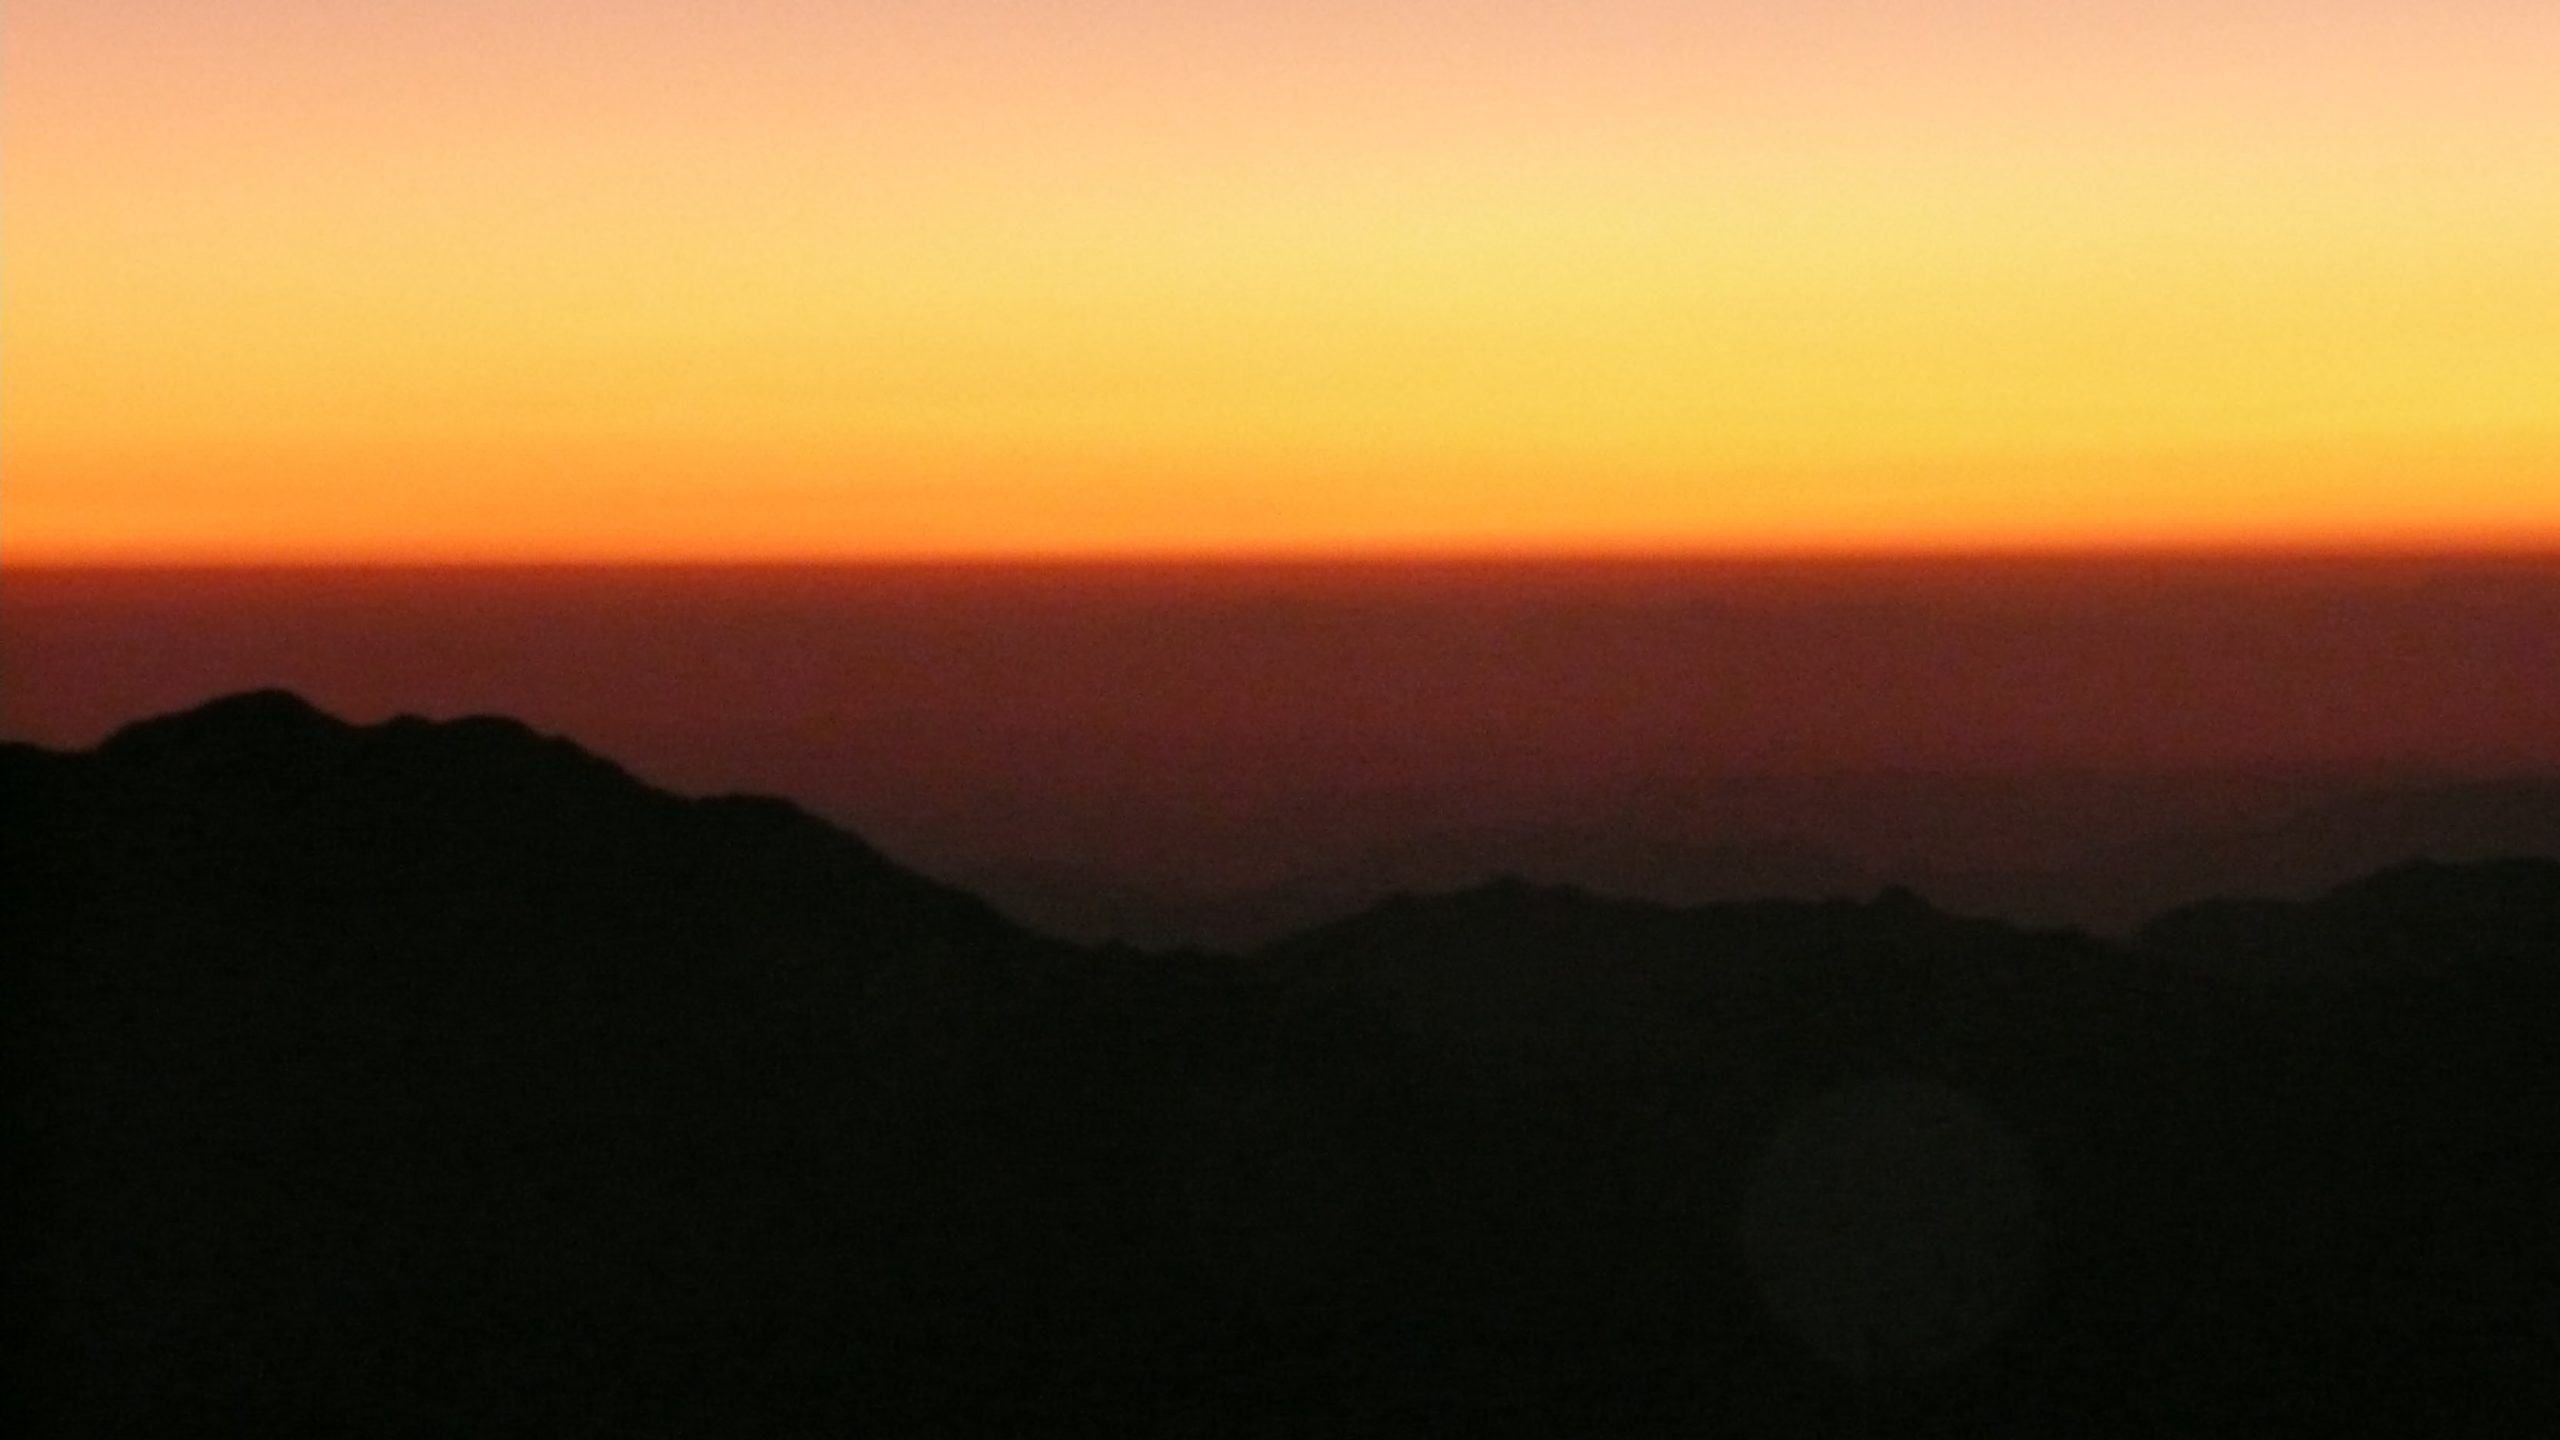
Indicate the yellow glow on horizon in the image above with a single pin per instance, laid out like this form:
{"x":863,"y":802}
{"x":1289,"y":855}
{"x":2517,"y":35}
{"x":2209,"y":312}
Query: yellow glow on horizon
{"x":448,"y":301}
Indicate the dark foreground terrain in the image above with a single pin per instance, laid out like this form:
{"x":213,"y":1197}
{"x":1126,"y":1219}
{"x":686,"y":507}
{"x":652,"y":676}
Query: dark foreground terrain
{"x":442,"y":1080}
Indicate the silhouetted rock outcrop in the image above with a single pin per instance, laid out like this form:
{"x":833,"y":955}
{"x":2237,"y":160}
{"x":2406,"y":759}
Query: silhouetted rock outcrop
{"x":441,"y":1078}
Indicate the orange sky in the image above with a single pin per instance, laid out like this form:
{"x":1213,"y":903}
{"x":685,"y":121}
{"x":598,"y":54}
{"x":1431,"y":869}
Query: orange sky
{"x":390,"y":279}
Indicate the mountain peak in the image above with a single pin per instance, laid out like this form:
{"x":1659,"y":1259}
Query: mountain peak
{"x":263,"y":793}
{"x":252,"y":721}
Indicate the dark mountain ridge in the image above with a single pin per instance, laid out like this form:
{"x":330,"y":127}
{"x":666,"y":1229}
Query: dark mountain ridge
{"x":438,"y":1078}
{"x":360,"y":804}
{"x":2094,"y":851}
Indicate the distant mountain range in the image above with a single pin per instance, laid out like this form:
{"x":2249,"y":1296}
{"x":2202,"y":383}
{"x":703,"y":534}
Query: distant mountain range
{"x":2096,"y":851}
{"x":442,"y":1079}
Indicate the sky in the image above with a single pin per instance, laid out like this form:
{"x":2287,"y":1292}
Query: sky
{"x":640,"y":280}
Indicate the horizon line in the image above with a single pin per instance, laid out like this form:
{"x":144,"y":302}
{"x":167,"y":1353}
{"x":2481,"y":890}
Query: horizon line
{"x":2541,"y":549}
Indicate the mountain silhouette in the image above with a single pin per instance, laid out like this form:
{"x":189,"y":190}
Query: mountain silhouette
{"x":441,"y":1078}
{"x":2102,"y":852}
